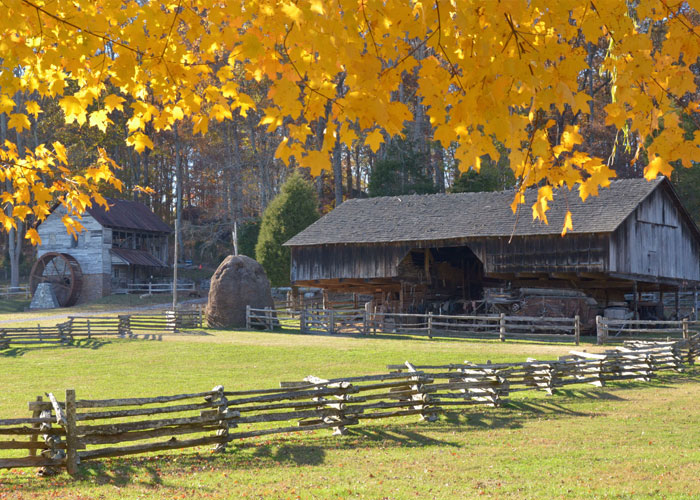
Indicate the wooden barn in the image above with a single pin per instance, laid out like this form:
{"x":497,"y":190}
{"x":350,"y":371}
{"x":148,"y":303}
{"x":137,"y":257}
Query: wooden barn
{"x":125,"y":244}
{"x":635,"y":236}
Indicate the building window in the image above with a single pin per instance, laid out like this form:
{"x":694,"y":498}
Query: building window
{"x":74,"y":241}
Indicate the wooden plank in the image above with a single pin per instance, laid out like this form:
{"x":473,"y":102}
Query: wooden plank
{"x":143,"y":411}
{"x":171,"y":444}
{"x":38,"y":461}
{"x":58,"y":410}
{"x":149,"y":434}
{"x":105,"y":403}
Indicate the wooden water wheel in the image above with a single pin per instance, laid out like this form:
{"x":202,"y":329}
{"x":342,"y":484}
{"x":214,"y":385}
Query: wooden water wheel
{"x":64,"y":274}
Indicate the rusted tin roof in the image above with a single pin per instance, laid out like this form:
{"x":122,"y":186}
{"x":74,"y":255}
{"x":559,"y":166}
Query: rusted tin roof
{"x":124,"y":214}
{"x":137,"y":257}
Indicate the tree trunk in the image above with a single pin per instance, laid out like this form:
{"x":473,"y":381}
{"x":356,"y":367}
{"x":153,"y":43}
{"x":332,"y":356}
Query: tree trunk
{"x":337,"y":172}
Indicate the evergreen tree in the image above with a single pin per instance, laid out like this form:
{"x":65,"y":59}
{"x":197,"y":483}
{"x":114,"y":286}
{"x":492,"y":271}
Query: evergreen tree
{"x":293,"y":210}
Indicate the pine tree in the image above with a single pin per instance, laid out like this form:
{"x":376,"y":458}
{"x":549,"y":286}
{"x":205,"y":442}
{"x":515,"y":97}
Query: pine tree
{"x":293,"y":210}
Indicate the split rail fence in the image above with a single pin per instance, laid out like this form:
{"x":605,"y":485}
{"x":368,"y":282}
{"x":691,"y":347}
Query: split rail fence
{"x":127,"y":325}
{"x":611,"y":330}
{"x":64,"y":433}
{"x":362,"y":322}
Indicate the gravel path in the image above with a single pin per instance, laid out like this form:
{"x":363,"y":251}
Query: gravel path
{"x":65,"y":315}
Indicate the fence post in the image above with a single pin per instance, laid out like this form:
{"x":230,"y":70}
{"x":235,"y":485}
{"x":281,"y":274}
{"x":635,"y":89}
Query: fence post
{"x":35,"y":437}
{"x":247,"y":317}
{"x":268,"y":318}
{"x":577,"y":329}
{"x":72,"y":443}
{"x":600,"y":330}
{"x":38,"y":327}
{"x":302,"y":320}
{"x":88,"y":327}
{"x":331,"y":321}
{"x":222,"y":412}
{"x":430,"y":325}
{"x":685,"y":329}
{"x":502,"y":327}
{"x":365,"y":325}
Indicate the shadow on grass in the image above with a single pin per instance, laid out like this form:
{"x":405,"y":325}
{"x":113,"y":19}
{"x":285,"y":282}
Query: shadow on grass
{"x":93,"y":343}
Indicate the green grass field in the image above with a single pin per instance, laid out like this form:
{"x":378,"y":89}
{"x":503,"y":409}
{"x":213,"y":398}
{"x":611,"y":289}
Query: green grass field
{"x":627,"y":440}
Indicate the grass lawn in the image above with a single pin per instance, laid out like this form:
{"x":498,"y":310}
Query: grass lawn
{"x":627,"y":440}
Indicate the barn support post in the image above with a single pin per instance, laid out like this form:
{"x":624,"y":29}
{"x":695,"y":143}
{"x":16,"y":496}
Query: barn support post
{"x":577,"y":329}
{"x":678,"y":304}
{"x":502,"y":327}
{"x":635,"y":301}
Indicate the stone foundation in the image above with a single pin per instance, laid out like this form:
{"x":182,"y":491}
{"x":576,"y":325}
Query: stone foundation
{"x":95,"y":286}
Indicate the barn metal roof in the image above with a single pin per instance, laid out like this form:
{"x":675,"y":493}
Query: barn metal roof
{"x":137,"y":257}
{"x":472,"y":215}
{"x":124,"y":214}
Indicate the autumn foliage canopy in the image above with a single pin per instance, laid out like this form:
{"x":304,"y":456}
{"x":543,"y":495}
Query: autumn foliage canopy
{"x":487,"y":72}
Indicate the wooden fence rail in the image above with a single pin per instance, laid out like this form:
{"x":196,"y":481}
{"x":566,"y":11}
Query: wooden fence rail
{"x":127,"y":325}
{"x":64,"y":433}
{"x":360,"y":321}
{"x":614,"y":330}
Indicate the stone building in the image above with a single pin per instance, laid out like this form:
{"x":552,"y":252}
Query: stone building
{"x":126,"y":244}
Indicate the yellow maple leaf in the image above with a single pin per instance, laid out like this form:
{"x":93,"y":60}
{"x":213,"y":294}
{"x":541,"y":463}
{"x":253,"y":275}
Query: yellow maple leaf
{"x":200,"y":125}
{"x":139,"y":141}
{"x":657,"y":166}
{"x":374,"y":140}
{"x":33,"y":236}
{"x":33,"y":108}
{"x":100,"y":119}
{"x":112,"y":102}
{"x":73,"y":110}
{"x":316,"y":161}
{"x":568,"y":225}
{"x":19,"y":122}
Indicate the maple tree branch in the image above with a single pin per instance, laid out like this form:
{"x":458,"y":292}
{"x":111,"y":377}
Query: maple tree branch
{"x":444,"y":52}
{"x":369,"y":28}
{"x":301,"y":78}
{"x":675,"y":15}
{"x":75,"y":26}
{"x":170,"y":31}
{"x":408,"y":54}
{"x":677,"y":100}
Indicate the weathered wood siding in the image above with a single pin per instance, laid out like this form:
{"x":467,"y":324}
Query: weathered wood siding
{"x":346,"y":261}
{"x":545,"y":253}
{"x":656,"y":240}
{"x":92,"y":250}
